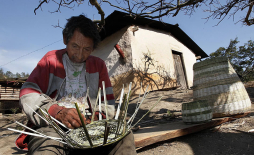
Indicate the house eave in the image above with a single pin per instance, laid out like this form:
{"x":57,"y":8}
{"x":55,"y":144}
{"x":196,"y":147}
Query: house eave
{"x":118,"y":20}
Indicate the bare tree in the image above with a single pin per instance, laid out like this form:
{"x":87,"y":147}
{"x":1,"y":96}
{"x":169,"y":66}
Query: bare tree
{"x":156,"y":9}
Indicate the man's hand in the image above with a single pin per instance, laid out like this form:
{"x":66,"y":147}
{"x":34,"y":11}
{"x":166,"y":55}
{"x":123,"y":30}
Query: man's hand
{"x":70,"y":118}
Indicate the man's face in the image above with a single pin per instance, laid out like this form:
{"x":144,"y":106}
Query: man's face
{"x":79,"y":47}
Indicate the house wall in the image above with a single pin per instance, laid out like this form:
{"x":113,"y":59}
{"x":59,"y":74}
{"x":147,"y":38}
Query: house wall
{"x":109,"y":54}
{"x":119,"y":69}
{"x":148,"y":59}
{"x":159,"y":45}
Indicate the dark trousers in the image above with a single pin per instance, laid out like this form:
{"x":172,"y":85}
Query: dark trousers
{"x":43,"y":146}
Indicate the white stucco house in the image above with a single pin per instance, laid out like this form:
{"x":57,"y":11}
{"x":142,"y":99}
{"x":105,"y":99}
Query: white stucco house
{"x":147,"y":51}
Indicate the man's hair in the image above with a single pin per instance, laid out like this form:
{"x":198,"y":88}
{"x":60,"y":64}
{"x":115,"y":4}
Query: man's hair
{"x":84,"y":25}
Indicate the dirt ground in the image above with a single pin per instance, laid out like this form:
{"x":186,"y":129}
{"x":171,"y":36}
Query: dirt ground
{"x":229,"y":138}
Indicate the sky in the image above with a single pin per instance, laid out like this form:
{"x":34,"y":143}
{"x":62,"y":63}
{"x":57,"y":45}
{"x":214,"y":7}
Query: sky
{"x":25,"y":37}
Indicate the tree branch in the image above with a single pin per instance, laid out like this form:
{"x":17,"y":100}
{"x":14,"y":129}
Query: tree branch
{"x":44,"y":1}
{"x":57,"y":26}
{"x":158,"y":8}
{"x":248,"y":15}
{"x":115,"y":6}
{"x":222,"y":11}
{"x":100,"y":11}
{"x":169,"y":9}
{"x":178,"y":3}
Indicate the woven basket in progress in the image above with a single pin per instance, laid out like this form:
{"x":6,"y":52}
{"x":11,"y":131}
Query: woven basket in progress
{"x":196,"y":112}
{"x":216,"y":81}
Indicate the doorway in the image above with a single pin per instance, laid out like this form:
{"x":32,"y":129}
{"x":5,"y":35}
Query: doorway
{"x":179,"y":70}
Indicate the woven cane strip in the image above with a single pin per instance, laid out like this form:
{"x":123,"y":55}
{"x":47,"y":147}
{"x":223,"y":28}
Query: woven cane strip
{"x":197,"y":111}
{"x":215,"y":70}
{"x":215,"y":83}
{"x":231,"y":102}
{"x":233,"y":108}
{"x":210,"y":77}
{"x":194,"y":112}
{"x":196,"y":106}
{"x":215,"y":73}
{"x":215,"y":79}
{"x":219,"y":89}
{"x":96,"y":131}
{"x":209,"y":62}
{"x":219,"y":94}
{"x":198,"y":118}
{"x":212,"y":69}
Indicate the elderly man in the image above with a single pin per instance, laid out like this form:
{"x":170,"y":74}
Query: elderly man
{"x":65,"y":75}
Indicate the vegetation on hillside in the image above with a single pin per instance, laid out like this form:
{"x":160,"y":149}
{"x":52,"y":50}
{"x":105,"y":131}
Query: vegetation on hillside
{"x":9,"y":74}
{"x":241,"y":58}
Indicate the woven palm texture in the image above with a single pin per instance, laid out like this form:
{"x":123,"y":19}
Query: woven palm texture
{"x":216,"y":81}
{"x":97,"y":133}
{"x":196,"y":112}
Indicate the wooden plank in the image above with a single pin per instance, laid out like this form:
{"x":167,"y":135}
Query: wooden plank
{"x":11,"y":99}
{"x":2,"y":95}
{"x":150,"y":135}
{"x":8,"y":91}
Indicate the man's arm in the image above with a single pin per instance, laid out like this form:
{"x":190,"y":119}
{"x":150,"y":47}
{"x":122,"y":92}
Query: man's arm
{"x":31,"y":93}
{"x":41,"y":86}
{"x":39,"y":89}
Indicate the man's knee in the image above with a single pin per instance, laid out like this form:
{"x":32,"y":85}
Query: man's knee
{"x":45,"y":146}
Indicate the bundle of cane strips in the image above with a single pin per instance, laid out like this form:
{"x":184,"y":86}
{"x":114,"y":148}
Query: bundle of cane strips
{"x":97,"y":133}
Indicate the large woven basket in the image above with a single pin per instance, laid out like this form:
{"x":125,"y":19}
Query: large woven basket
{"x":216,"y":81}
{"x":196,"y":112}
